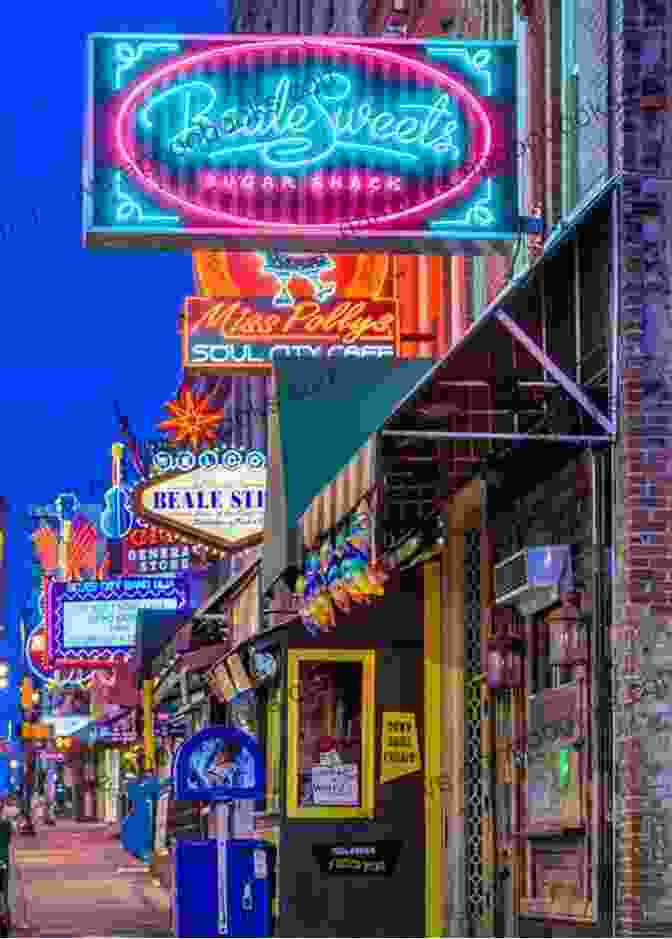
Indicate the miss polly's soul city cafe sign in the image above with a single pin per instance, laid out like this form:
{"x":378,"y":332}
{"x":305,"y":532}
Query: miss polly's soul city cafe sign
{"x":261,"y":306}
{"x":220,"y":506}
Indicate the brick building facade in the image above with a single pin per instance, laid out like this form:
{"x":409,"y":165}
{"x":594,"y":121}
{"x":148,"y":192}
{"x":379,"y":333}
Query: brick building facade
{"x":595,"y":107}
{"x":642,"y":650}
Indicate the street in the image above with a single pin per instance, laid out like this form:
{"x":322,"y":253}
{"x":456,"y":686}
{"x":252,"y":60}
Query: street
{"x":77,"y":880}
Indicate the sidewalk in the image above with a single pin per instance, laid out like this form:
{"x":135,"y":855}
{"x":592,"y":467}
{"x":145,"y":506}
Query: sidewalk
{"x":74,"y":880}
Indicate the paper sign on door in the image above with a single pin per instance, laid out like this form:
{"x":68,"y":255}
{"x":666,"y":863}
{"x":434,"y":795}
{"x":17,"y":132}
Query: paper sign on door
{"x":400,"y":753}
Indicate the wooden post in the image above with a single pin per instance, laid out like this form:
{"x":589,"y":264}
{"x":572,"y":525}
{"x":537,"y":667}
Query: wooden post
{"x":150,"y":747}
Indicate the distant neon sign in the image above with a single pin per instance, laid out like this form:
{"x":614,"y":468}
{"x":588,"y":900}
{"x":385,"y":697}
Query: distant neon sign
{"x":94,"y":623}
{"x":220,"y":506}
{"x":197,"y":139}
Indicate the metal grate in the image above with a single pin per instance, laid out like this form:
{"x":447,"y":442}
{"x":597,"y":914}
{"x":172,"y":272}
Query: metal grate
{"x":510,"y":574}
{"x":475,"y":899}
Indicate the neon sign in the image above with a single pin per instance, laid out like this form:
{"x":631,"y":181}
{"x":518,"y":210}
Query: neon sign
{"x":201,"y":139}
{"x":94,"y":623}
{"x":268,"y":305}
{"x":221,"y":506}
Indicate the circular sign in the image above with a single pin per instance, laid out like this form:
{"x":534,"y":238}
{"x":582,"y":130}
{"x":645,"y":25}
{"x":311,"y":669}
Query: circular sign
{"x":37,"y":652}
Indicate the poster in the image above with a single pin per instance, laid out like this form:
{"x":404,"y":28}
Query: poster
{"x":400,"y":753}
{"x":335,"y":785}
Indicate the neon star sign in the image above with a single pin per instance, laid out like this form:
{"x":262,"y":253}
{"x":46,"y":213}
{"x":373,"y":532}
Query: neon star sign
{"x":267,"y":141}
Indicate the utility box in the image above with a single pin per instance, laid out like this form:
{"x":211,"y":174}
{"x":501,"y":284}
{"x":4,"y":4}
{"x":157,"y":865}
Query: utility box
{"x":251,"y":874}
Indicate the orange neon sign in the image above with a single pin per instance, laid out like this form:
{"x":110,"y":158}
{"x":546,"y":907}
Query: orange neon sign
{"x":256,"y":307}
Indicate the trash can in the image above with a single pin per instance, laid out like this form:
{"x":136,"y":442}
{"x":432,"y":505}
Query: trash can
{"x":251,"y":885}
{"x":137,"y":828}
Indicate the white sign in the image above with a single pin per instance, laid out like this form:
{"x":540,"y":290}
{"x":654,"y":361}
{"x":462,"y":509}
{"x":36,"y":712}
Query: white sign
{"x":222,"y":506}
{"x":335,"y":785}
{"x":110,"y":623}
{"x":66,"y":726}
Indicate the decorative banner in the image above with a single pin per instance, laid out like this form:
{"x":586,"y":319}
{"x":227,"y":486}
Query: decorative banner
{"x":396,"y":144}
{"x":273,"y":304}
{"x":219,"y":763}
{"x":95,"y":622}
{"x":220,"y":505}
{"x":400,"y":753}
{"x":371,"y":859}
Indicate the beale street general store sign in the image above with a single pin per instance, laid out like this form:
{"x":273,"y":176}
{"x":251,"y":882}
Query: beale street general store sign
{"x":274,"y":304}
{"x":256,"y":142}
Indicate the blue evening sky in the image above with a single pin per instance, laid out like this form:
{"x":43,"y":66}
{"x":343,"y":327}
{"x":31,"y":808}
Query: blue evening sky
{"x":81,"y":328}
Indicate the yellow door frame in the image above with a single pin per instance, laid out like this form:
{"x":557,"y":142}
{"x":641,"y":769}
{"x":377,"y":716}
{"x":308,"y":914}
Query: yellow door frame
{"x":432,"y":741}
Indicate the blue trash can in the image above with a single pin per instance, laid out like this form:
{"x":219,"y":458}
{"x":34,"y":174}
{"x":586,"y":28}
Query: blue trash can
{"x":137,"y":829}
{"x":251,"y":886}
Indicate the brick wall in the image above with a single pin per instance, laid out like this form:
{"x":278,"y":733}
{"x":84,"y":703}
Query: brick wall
{"x":642,"y":631}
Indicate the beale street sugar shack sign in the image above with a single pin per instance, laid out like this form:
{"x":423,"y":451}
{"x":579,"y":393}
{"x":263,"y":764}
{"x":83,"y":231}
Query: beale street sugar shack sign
{"x":255,"y":142}
{"x":221,"y":506}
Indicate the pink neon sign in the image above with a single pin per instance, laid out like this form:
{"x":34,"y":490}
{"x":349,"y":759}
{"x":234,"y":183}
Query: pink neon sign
{"x":332,"y":139}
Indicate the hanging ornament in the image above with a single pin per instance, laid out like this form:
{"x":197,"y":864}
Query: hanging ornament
{"x":334,"y":577}
{"x":303,"y":605}
{"x":358,"y":562}
{"x":193,"y":421}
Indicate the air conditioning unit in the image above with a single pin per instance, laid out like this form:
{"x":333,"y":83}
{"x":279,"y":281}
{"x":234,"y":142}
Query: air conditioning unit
{"x":534,"y":578}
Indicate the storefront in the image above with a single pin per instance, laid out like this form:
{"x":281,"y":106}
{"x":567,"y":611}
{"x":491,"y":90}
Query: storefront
{"x":513,"y":433}
{"x":354,"y":668}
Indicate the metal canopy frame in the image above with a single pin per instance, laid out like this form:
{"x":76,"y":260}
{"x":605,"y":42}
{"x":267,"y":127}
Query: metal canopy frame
{"x":562,"y":381}
{"x":510,"y":382}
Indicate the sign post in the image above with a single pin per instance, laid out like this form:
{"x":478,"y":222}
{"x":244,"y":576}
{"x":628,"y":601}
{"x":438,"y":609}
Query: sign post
{"x":222,"y":831}
{"x":217,"y":765}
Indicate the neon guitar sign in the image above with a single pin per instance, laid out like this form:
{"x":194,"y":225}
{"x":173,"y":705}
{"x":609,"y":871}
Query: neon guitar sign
{"x":389,"y":140}
{"x":117,"y":518}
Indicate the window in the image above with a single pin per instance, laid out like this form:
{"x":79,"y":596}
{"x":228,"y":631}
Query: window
{"x":330,"y":745}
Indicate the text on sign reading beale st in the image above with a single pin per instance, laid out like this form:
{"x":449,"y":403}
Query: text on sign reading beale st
{"x":381,"y":136}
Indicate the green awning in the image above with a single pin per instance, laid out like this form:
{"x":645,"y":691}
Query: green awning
{"x":328,"y":411}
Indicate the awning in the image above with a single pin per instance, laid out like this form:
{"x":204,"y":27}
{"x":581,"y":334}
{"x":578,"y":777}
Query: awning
{"x":326,"y":413}
{"x":155,"y":629}
{"x":341,"y":495}
{"x":200,"y":659}
{"x":500,"y":389}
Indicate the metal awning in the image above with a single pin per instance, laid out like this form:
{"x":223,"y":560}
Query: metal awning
{"x":496,"y":390}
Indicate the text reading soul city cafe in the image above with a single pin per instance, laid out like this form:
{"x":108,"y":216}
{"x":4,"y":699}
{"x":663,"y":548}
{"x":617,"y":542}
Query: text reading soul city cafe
{"x":249,"y":142}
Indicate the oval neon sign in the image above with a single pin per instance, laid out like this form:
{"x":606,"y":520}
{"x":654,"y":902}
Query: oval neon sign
{"x":307,"y":135}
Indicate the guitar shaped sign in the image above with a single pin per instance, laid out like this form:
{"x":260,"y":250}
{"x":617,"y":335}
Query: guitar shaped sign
{"x":117,"y":518}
